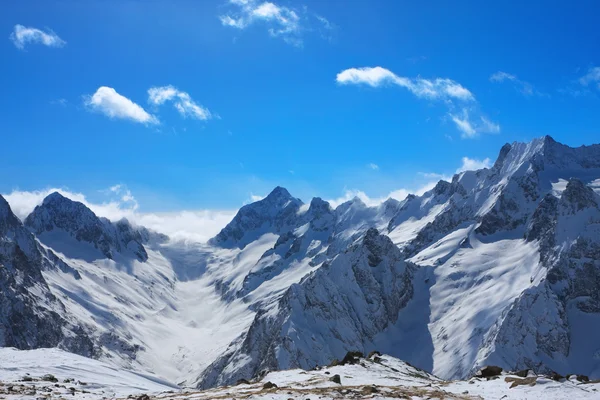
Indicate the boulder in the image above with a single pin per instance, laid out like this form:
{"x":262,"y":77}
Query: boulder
{"x":269,"y":385}
{"x":489,"y":371}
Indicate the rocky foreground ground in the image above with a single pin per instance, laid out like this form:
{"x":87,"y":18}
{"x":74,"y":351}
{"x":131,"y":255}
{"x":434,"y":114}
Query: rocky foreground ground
{"x":355,"y":377}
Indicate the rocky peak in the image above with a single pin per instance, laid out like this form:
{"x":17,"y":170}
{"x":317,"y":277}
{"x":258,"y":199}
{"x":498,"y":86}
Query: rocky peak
{"x":276,"y":213}
{"x":319,"y":206}
{"x":442,"y":188}
{"x":320,"y":214}
{"x":59,"y":213}
{"x":278,"y":195}
{"x":377,"y":244}
{"x":8,"y":220}
{"x":577,"y":196}
{"x":502,"y":156}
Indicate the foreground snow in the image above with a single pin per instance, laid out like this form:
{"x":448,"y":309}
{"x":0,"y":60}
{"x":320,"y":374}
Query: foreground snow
{"x":380,"y":377}
{"x":98,"y":379}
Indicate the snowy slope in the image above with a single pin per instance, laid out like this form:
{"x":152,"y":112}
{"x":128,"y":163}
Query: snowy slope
{"x":100,"y":380}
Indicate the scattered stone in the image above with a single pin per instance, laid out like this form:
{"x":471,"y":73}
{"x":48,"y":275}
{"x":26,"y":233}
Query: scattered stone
{"x":582,"y":378}
{"x":369,"y":390}
{"x":143,"y":397}
{"x":269,"y":385}
{"x":489,"y":371}
{"x":327,"y":372}
{"x":336,"y":378}
{"x":522,"y":373}
{"x":49,"y":378}
{"x":555,"y":376}
{"x":27,"y":378}
{"x":377,"y":359}
{"x":531,"y":381}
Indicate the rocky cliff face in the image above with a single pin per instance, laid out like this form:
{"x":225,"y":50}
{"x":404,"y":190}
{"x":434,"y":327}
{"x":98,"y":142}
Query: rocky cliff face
{"x":30,"y":315}
{"x":342,"y":305}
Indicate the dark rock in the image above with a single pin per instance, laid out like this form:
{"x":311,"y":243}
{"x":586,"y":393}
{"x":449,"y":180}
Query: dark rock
{"x":489,"y":371}
{"x":522,"y":373}
{"x":555,"y":376}
{"x":582,"y":378}
{"x":143,"y":397}
{"x":49,"y":378}
{"x":243,"y":382}
{"x":352,"y":357}
{"x":336,"y":378}
{"x":269,"y":385}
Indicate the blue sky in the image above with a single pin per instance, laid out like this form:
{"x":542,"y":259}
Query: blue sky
{"x":250,"y":96}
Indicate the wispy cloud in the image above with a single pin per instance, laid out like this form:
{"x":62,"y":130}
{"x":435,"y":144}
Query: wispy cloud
{"x":523,"y":87}
{"x":459,"y":100}
{"x":182,"y":101}
{"x":283,"y":22}
{"x":107,"y":101}
{"x":59,"y":102}
{"x":398,"y":194}
{"x":592,"y":77}
{"x":22,"y":35}
{"x":472,"y":127}
{"x":373,"y":166}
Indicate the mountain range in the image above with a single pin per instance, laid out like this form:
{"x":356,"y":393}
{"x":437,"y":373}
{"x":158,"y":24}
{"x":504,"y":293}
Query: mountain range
{"x":498,"y":266}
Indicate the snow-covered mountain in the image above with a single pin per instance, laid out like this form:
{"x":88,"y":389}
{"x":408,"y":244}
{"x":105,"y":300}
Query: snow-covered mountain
{"x":499,"y":266}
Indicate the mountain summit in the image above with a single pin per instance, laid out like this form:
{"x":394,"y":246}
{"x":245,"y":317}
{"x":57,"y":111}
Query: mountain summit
{"x":59,"y":215}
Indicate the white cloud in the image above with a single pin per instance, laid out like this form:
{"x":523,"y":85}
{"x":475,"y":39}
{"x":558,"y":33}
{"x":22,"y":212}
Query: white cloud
{"x":23,"y":35}
{"x":472,"y":164}
{"x":107,"y":101}
{"x":592,"y":77}
{"x":471,"y":128}
{"x":439,"y":88}
{"x":373,"y":166}
{"x":521,"y":86}
{"x":193,"y":225}
{"x":255,"y":197}
{"x":181,"y":100}
{"x":280,"y":21}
